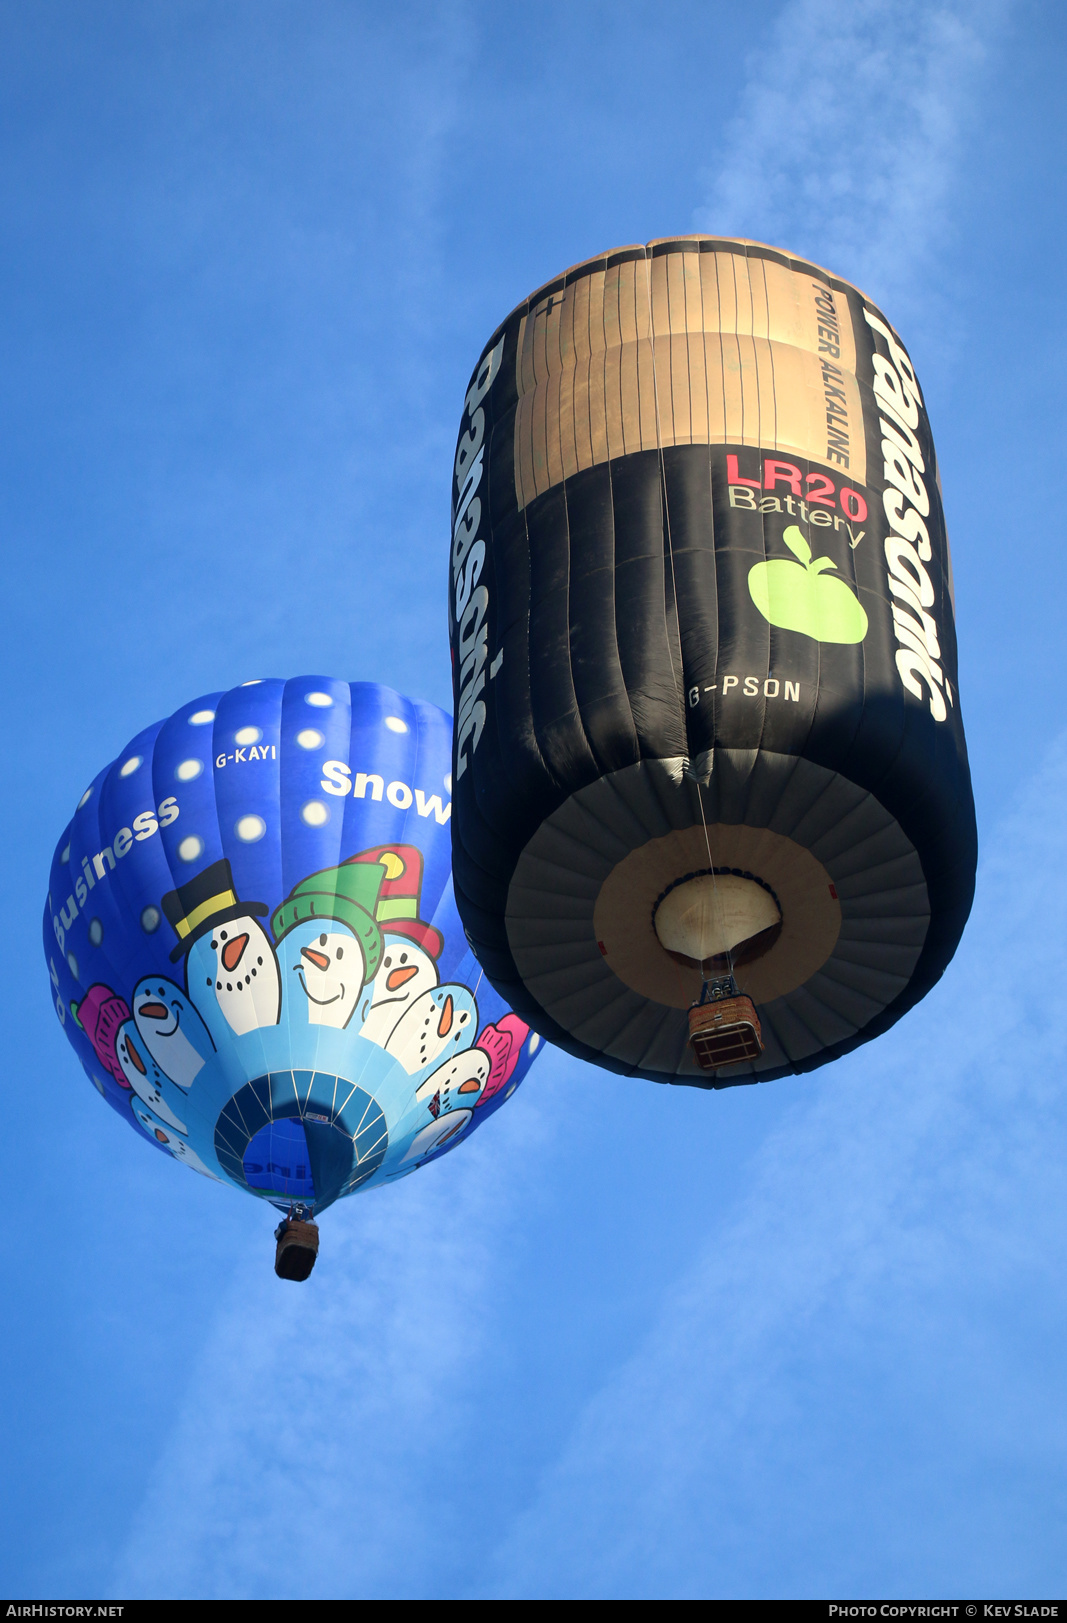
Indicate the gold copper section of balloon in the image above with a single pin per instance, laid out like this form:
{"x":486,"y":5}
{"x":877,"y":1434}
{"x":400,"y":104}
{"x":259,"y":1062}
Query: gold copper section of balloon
{"x":687,"y":348}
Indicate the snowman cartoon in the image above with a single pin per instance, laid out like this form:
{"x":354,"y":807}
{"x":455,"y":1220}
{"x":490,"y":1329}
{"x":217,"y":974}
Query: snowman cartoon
{"x":101,"y":1014}
{"x":171,"y":1030}
{"x":231,"y":973}
{"x":437,"y":1135}
{"x":176,"y":1146}
{"x":142,"y":1073}
{"x":502,"y":1041}
{"x":469,"y":1079}
{"x":458,"y":1083}
{"x":406,"y":1010}
{"x":410,"y":946}
{"x":329,"y":943}
{"x":406,"y":972}
{"x":437,"y":1026}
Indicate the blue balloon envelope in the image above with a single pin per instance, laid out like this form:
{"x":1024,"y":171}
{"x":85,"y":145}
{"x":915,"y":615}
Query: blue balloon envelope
{"x":254,"y":948}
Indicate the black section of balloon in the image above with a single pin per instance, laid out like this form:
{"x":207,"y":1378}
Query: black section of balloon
{"x":619,"y":625}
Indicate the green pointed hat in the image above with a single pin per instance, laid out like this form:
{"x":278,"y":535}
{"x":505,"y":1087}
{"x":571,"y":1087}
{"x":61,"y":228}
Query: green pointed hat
{"x":347,"y":895}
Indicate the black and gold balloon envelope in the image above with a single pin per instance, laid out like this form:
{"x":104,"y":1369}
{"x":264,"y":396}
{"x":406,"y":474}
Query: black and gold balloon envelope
{"x":702,"y":622}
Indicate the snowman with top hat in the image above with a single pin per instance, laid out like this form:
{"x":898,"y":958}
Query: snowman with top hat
{"x":231,"y":973}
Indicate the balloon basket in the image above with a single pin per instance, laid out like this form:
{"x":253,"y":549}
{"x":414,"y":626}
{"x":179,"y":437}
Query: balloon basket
{"x":724,"y":1030}
{"x":298,"y":1246}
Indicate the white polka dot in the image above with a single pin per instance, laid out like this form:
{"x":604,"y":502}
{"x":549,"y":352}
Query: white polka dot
{"x":248,"y":735}
{"x":85,"y":797}
{"x":321,"y":701}
{"x":310,"y":739}
{"x":255,"y":682}
{"x":150,"y":920}
{"x":96,"y":932}
{"x":510,"y":1090}
{"x":73,"y":962}
{"x":130,"y":766}
{"x":97,"y":1084}
{"x":315,"y":814}
{"x":250,"y":828}
{"x":200,"y":718}
{"x":188,"y":770}
{"x":535,"y":1043}
{"x":64,"y":855}
{"x":395,"y":724}
{"x":448,"y":783}
{"x":190,"y":848}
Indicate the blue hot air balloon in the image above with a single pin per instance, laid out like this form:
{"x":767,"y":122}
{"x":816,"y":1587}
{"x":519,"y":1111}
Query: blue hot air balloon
{"x":255,"y":951}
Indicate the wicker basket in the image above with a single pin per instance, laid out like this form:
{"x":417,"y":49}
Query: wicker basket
{"x":725,"y":1031}
{"x":298,"y":1246}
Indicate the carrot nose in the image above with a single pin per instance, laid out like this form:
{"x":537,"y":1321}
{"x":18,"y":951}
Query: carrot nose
{"x":135,"y":1056}
{"x":231,"y":952}
{"x":319,"y":959}
{"x":444,"y":1025}
{"x":154,"y":1011}
{"x":399,"y":977}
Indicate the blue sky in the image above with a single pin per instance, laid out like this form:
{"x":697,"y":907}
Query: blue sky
{"x":797,"y":1340}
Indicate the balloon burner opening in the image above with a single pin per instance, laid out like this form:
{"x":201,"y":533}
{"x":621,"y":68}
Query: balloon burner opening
{"x":717,"y":921}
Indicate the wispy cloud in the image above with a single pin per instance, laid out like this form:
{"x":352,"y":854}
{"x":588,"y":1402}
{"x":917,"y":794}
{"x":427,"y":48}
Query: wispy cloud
{"x":872,"y":1334}
{"x":310,"y":1456}
{"x":853,"y":1385}
{"x":847,"y":143}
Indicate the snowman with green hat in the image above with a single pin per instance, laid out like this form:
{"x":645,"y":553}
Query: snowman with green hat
{"x":329,"y":942}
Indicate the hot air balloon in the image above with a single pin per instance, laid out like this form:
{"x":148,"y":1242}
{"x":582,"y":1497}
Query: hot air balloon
{"x":713,"y":819}
{"x":255,"y":953}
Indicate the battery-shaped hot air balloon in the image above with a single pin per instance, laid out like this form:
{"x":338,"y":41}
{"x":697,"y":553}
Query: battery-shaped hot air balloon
{"x":255,"y":952}
{"x":712,"y":820}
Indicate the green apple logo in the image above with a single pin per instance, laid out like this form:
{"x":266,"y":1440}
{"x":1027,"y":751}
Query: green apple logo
{"x":800,"y":597}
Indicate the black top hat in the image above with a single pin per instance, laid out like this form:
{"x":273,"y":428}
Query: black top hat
{"x":204,"y":901}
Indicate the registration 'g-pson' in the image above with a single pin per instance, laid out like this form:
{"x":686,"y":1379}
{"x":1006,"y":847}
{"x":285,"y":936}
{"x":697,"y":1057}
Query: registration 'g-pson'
{"x":907,"y":506}
{"x":468,"y":601}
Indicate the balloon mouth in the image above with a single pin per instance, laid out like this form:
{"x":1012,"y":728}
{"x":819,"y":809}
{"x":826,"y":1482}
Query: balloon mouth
{"x":717,"y":920}
{"x":284,"y":1141}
